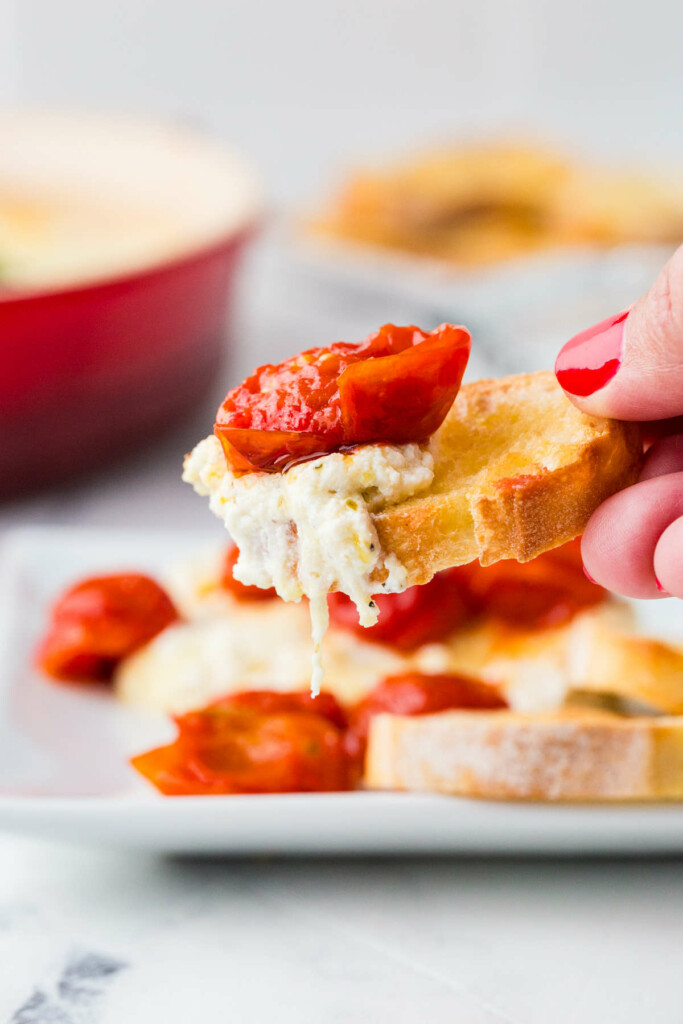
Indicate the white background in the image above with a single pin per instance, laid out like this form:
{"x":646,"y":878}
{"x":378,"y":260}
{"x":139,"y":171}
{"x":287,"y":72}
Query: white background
{"x":309,"y":86}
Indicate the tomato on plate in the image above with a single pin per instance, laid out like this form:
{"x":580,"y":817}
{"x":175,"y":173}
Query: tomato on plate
{"x":539,"y":594}
{"x":241,"y":591}
{"x":396,"y":387}
{"x":545,"y":592}
{"x":257,"y":743}
{"x":267,"y":702}
{"x":100,"y":621}
{"x":415,"y":693}
{"x":420,"y":615}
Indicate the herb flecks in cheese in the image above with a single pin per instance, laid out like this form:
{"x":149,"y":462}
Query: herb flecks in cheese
{"x":310,"y":531}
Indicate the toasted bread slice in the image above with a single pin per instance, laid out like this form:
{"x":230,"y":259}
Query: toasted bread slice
{"x":597,"y":654}
{"x":567,"y":755}
{"x":602,"y":659}
{"x":530,"y":666}
{"x":518,"y":470}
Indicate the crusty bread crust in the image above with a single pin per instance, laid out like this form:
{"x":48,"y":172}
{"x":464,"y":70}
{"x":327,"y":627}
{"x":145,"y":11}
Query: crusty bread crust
{"x":568,"y":755}
{"x":596,"y":656}
{"x":519,"y":470}
{"x":601,"y":659}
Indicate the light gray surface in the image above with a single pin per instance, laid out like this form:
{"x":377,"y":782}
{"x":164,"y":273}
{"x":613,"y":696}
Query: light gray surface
{"x":310,"y":88}
{"x":306,"y":942}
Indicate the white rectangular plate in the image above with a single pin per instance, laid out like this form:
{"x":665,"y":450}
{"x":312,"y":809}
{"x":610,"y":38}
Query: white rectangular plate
{"x":64,"y":753}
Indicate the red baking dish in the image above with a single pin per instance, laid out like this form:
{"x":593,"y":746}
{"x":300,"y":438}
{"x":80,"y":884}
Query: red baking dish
{"x":95,"y":361}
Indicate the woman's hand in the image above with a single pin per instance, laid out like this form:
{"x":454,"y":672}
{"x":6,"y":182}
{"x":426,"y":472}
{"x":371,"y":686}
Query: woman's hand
{"x":631,"y":367}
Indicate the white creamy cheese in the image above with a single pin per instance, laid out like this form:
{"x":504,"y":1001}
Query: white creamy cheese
{"x":220,"y":649}
{"x":252,"y":646}
{"x":310,"y":531}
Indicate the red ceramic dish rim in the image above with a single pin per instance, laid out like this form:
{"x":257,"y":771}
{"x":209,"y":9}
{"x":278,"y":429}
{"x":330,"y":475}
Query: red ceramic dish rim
{"x":140,"y":161}
{"x":233,"y":236}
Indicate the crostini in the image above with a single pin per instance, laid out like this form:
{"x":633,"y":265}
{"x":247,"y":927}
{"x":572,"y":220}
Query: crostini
{"x":366,"y":469}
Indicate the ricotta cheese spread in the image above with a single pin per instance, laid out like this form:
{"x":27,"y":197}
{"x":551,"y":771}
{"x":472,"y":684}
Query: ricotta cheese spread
{"x":265,"y":646}
{"x":309,"y":531}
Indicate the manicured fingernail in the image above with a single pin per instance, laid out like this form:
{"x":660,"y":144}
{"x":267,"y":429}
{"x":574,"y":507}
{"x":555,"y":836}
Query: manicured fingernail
{"x":661,"y":589}
{"x":588,"y":575}
{"x":590,"y":360}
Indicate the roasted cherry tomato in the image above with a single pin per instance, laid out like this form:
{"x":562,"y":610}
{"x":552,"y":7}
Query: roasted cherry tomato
{"x":416,"y":694}
{"x":243,"y":751}
{"x":396,"y":386}
{"x":533,"y":595}
{"x":100,"y":621}
{"x":242,"y":591}
{"x":420,"y":615}
{"x":269,"y":702}
{"x":545,"y":592}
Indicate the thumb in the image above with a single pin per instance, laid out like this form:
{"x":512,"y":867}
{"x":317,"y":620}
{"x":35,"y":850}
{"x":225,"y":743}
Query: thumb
{"x":631,"y":366}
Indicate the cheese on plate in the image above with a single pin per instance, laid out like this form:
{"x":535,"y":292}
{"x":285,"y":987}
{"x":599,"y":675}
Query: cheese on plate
{"x":227,"y":645}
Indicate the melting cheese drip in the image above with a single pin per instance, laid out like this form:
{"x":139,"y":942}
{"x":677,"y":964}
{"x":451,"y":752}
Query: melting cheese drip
{"x":309,"y":531}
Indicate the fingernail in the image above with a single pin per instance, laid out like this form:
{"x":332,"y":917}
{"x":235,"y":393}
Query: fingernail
{"x":590,"y":360}
{"x":661,"y":589}
{"x":588,"y":575}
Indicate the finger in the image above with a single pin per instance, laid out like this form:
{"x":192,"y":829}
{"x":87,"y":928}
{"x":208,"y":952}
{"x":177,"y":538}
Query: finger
{"x":619,"y":542}
{"x":631,"y":366}
{"x":665,"y":456}
{"x":668,"y":560}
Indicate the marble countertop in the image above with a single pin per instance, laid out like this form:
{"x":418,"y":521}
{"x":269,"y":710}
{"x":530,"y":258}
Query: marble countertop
{"x":90,"y":937}
{"x":97,"y":938}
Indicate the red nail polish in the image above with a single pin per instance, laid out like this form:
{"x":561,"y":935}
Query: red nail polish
{"x":590,"y":360}
{"x":661,"y":589}
{"x":588,"y":575}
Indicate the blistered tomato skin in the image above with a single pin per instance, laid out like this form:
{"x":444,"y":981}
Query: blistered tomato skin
{"x":241,"y":591}
{"x":100,"y":621}
{"x":263,"y":742}
{"x":395,"y":387}
{"x":414,"y":693}
{"x":404,"y":398}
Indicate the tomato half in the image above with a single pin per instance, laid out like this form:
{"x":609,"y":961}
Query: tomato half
{"x":222,"y":750}
{"x":539,"y":594}
{"x":241,"y":591}
{"x":100,"y":621}
{"x":396,"y":387}
{"x":545,"y":592}
{"x":414,"y":693}
{"x":267,"y":702}
{"x":420,"y":615}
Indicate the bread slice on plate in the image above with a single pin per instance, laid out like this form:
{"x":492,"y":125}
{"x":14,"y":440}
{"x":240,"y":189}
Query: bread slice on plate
{"x":565,"y":755}
{"x":518,"y":470}
{"x":605,"y":659}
